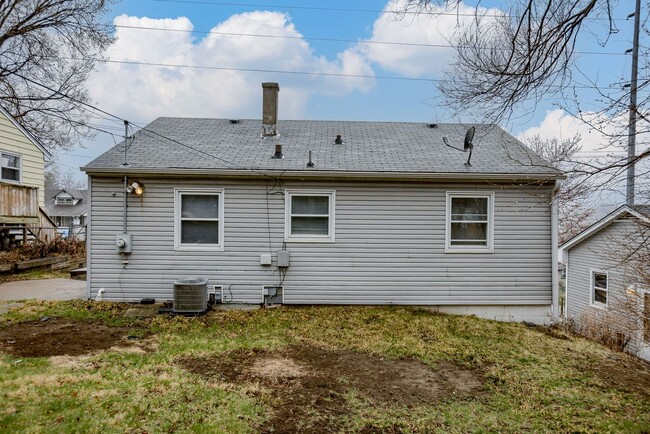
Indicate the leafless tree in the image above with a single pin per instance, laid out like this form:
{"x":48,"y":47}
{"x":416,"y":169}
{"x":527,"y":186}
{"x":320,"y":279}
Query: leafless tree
{"x":52,"y":43}
{"x":509,"y":61}
{"x":574,"y":212}
{"x":58,"y":177}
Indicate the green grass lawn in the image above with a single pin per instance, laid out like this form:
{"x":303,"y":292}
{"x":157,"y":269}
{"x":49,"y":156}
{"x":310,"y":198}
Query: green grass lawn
{"x":532,"y":380}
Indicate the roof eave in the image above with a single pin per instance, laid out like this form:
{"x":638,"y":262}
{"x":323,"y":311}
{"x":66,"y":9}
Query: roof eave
{"x":601,"y":224}
{"x":320,"y":174}
{"x":47,"y":154}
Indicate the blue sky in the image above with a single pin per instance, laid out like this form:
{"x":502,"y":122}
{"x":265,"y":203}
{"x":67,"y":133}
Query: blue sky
{"x":140,"y":92}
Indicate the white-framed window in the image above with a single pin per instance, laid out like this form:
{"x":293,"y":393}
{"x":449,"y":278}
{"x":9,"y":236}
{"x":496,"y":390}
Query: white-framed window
{"x":198,"y":219}
{"x":469,"y":222}
{"x":599,"y":288}
{"x":11,"y":167}
{"x":64,"y":201}
{"x":309,"y":215}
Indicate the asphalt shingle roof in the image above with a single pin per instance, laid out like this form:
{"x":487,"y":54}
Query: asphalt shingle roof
{"x":53,"y":209}
{"x":192,"y":143}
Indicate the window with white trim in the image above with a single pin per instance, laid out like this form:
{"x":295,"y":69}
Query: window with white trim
{"x":309,"y":215}
{"x":10,"y":165}
{"x":469,"y":222}
{"x":599,"y":283}
{"x":199,"y":219}
{"x":64,"y":201}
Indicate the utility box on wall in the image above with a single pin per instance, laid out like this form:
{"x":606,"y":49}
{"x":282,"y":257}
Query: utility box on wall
{"x":123,"y":243}
{"x":283,"y":258}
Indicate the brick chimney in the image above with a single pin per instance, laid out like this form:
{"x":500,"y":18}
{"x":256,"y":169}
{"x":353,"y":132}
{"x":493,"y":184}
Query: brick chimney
{"x":270,"y":108}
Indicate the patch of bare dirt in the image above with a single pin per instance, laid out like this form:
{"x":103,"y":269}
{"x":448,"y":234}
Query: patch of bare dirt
{"x":308,"y":385}
{"x":624,"y":372}
{"x":58,"y":337}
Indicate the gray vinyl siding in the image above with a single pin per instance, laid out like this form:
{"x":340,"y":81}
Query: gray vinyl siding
{"x":389,"y":245}
{"x":598,"y":253}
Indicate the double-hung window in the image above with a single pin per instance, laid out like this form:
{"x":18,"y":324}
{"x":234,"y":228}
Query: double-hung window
{"x":470,"y":222}
{"x":199,"y":219}
{"x":10,"y":166}
{"x":599,"y":283}
{"x":309,"y":215}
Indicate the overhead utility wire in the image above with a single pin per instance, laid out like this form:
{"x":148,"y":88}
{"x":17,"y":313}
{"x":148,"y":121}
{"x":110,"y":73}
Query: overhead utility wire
{"x":90,"y":106}
{"x":359,"y":41}
{"x":279,"y":71}
{"x":378,"y":11}
{"x":68,"y":96}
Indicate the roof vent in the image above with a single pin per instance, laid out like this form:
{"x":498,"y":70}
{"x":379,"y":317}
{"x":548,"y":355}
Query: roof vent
{"x":278,"y":152}
{"x":432,"y":125}
{"x":338,"y":140}
{"x":270,"y":109}
{"x":234,"y":121}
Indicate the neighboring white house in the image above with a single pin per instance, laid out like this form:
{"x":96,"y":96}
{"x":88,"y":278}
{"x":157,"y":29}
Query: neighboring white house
{"x":605,"y":295}
{"x":329,"y":213}
{"x":22,"y":181}
{"x":68,"y":208}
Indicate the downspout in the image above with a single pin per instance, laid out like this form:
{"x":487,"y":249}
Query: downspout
{"x":89,"y":221}
{"x":555,"y":280}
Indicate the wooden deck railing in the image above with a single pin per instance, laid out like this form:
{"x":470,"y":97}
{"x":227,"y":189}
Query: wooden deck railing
{"x":18,"y":204}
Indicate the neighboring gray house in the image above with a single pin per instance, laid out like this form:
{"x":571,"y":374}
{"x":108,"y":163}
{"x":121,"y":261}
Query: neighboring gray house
{"x":387,"y":214}
{"x":606,"y":296}
{"x":68,"y":207}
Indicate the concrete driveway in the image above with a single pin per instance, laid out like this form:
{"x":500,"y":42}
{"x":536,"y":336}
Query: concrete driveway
{"x":46,"y":289}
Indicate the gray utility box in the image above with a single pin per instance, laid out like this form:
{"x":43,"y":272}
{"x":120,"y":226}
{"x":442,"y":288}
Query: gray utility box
{"x":283,"y":258}
{"x":190,"y":296}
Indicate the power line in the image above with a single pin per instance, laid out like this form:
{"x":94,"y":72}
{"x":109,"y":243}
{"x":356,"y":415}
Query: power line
{"x":274,"y":71}
{"x":374,"y":11}
{"x":279,"y":71}
{"x":363,"y":41}
{"x":92,"y":107}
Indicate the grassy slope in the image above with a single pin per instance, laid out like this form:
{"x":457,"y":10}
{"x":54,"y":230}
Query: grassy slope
{"x":535,"y":383}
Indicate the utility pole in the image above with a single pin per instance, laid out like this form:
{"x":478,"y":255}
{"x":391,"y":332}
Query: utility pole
{"x":631,"y":139}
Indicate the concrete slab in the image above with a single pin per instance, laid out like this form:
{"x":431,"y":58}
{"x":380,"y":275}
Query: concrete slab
{"x":142,"y":311}
{"x":46,"y":289}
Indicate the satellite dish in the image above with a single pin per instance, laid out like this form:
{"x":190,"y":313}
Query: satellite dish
{"x":469,"y":136}
{"x":468,"y":145}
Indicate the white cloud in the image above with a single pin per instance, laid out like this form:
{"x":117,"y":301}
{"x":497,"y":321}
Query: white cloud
{"x":604,"y":142}
{"x":145,"y":92}
{"x":598,"y":133}
{"x":437,"y":26}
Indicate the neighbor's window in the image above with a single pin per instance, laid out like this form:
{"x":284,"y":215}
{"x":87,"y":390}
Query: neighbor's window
{"x":309,"y":216}
{"x":10,"y":164}
{"x":64,"y":201}
{"x":469,"y":222}
{"x":599,"y":288}
{"x":199,"y":219}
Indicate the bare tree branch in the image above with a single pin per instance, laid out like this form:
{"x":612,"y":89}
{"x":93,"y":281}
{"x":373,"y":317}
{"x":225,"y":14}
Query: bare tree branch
{"x":54,"y":42}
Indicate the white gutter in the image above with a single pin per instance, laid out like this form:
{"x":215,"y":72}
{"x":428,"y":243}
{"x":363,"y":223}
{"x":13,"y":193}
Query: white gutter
{"x":321,"y":174}
{"x":555,"y":278}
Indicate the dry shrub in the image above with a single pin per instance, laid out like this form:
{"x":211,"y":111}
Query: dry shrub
{"x":35,"y":250}
{"x":611,"y":329}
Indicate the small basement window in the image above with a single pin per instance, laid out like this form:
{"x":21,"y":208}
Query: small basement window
{"x":469,"y":221}
{"x":309,"y":216}
{"x":198,"y":219}
{"x":10,"y":167}
{"x":599,"y":284}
